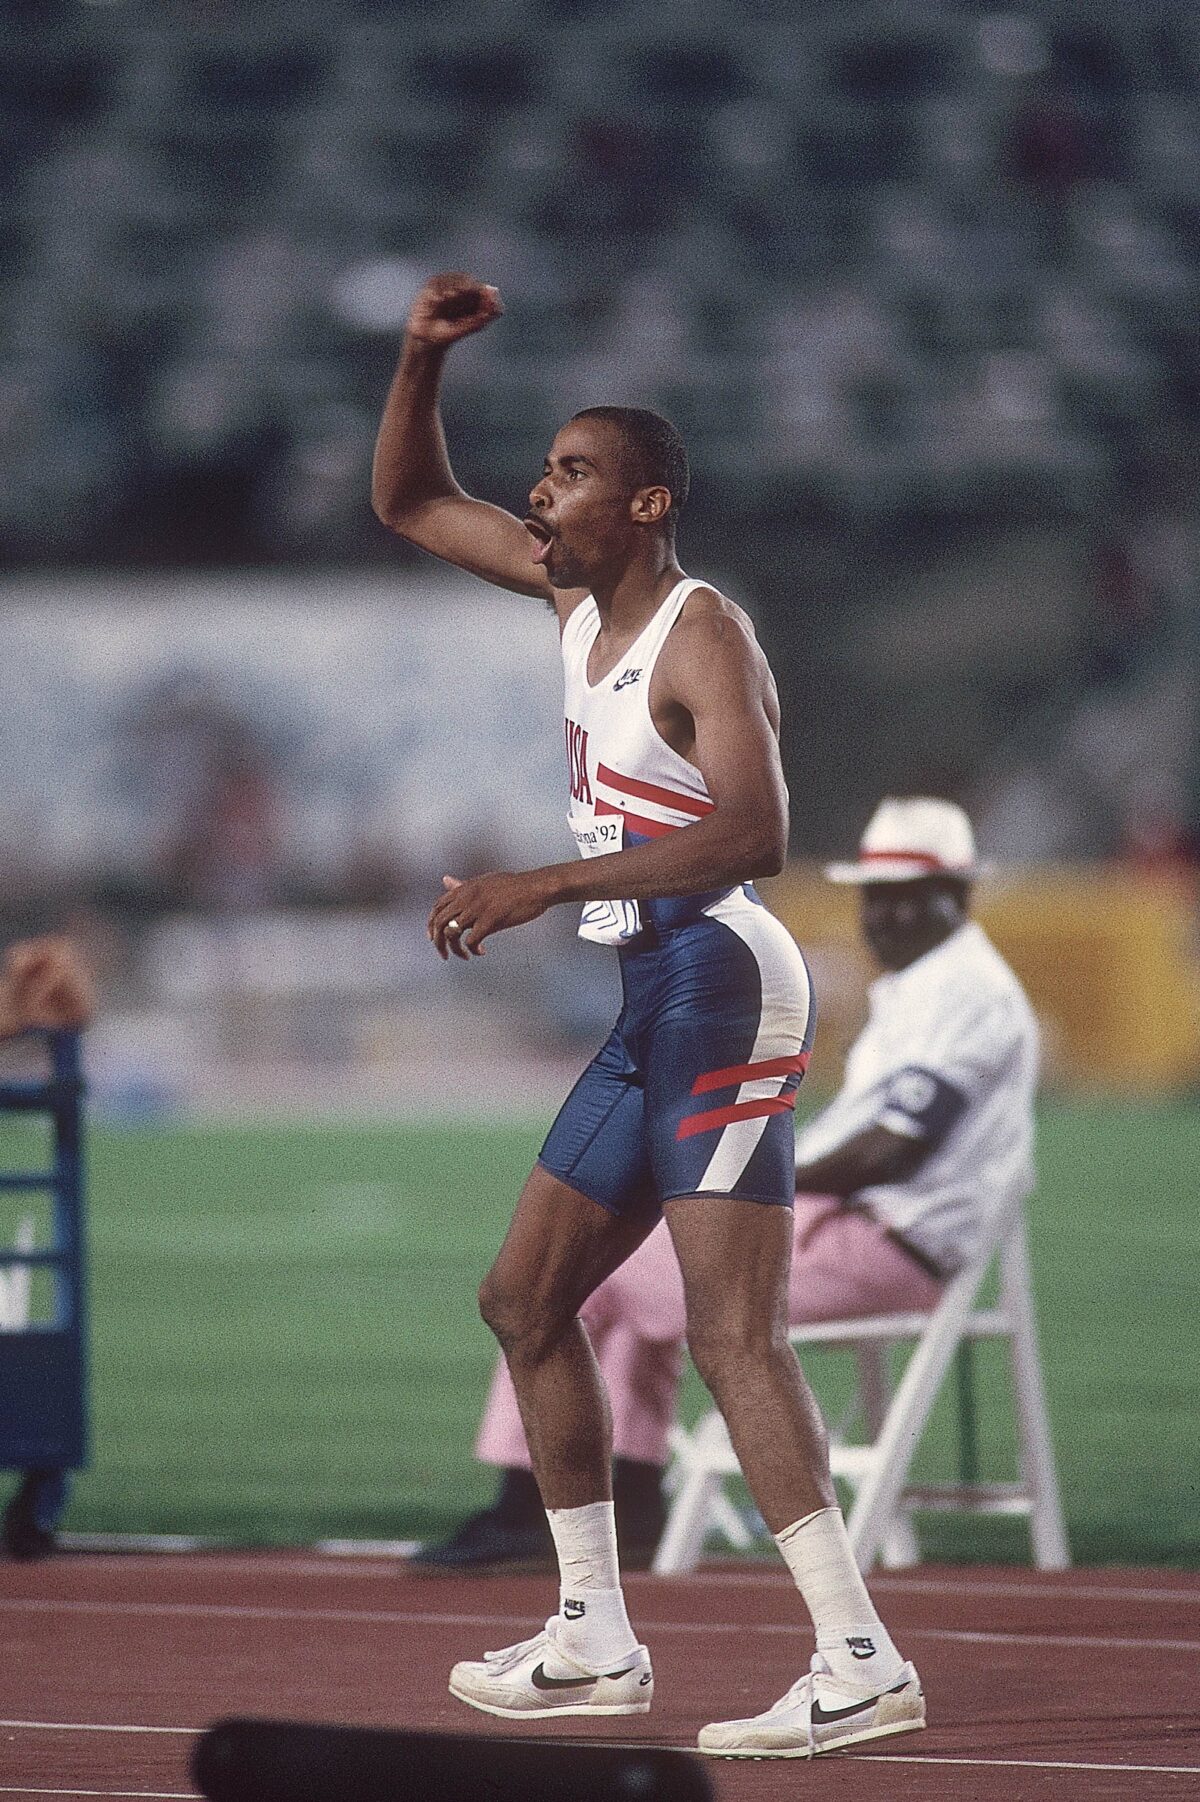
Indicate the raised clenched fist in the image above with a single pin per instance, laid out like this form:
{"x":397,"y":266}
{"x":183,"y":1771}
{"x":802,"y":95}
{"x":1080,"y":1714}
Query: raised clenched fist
{"x":452,"y":306}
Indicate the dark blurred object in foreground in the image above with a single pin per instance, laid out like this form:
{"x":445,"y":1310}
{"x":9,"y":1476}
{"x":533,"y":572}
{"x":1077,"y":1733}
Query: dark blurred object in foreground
{"x":278,"y":1761}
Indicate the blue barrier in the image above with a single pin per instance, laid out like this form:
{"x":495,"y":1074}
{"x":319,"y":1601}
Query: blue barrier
{"x":43,"y":1365}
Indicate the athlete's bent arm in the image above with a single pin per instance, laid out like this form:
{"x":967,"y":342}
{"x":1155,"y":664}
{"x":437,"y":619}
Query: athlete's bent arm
{"x":413,"y":488}
{"x":720,"y":681}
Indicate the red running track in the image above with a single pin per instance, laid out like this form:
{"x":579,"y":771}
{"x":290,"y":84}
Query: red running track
{"x":1078,"y":1686}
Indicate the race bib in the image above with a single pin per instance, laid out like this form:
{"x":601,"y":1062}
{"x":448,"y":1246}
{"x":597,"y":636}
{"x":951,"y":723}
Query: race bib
{"x":604,"y":922}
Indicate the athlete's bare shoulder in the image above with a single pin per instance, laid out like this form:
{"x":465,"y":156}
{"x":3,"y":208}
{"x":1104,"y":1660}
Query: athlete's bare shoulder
{"x":708,"y":616}
{"x":714,"y":642}
{"x":710,"y":623}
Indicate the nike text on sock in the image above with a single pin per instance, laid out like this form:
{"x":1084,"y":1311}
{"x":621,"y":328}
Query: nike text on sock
{"x":860,"y":1652}
{"x":593,"y":1623}
{"x":850,"y":1635}
{"x":596,"y":1632}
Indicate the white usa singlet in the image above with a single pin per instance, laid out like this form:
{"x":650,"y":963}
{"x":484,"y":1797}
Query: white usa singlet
{"x":627,"y":785}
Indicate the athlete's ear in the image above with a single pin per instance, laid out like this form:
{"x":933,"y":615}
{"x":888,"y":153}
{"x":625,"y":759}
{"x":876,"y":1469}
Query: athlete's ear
{"x":650,"y":504}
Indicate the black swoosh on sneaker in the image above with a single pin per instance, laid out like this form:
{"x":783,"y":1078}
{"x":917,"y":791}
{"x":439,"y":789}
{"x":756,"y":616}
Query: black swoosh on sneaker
{"x":821,"y":1715}
{"x":540,"y":1680}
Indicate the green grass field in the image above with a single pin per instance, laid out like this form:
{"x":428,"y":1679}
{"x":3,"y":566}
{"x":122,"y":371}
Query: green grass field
{"x":285,"y":1345}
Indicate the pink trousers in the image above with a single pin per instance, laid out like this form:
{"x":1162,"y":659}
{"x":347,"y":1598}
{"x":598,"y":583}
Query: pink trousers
{"x":843,"y":1267}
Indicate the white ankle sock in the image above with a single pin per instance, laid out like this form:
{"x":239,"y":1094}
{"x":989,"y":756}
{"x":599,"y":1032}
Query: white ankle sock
{"x":592,"y":1623}
{"x":850,"y":1635}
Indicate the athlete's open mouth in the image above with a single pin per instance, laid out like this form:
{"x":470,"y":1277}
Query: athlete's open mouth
{"x":542,"y":537}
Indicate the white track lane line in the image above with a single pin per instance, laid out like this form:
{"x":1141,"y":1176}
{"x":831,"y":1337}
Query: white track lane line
{"x":368,"y":1563}
{"x":1057,"y":1588}
{"x":1024,"y":1764}
{"x":395,"y":1617}
{"x":240,"y":1564}
{"x":932,"y":1758}
{"x":168,"y":1795}
{"x":928,"y":1759}
{"x":182,"y":1545}
{"x":1060,"y":1586}
{"x":892,"y":1583}
{"x":1076,"y":1641}
{"x":91,"y":1727}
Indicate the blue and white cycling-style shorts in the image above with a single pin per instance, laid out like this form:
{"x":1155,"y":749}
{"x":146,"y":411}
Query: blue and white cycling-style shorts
{"x":694,"y":1091}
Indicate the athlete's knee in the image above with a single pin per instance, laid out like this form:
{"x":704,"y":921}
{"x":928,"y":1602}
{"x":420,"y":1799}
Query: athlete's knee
{"x":724,"y":1341}
{"x":524,"y":1323}
{"x":501,"y":1306}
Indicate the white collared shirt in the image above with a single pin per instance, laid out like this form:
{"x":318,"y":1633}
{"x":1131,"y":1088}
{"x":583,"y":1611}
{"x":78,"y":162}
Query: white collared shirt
{"x":949,"y":1054}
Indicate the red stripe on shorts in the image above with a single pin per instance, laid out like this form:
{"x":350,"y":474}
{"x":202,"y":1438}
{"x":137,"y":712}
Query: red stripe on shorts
{"x":650,"y":791}
{"x":740,"y":1110}
{"x":738,"y":1073}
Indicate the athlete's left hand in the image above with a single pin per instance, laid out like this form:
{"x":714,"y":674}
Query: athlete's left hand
{"x":470,"y":912}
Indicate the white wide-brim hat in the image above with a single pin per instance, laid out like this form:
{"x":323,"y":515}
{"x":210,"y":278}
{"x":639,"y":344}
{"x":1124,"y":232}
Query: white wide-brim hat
{"x":910,"y":838}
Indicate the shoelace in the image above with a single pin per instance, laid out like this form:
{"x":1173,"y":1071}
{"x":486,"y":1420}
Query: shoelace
{"x":504,"y":1659}
{"x":817,"y":1668}
{"x":509,"y":1656}
{"x":803,"y":1691}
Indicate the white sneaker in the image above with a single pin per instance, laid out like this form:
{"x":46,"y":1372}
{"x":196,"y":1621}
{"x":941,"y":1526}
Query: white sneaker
{"x":819,"y":1713}
{"x":515,"y":1682}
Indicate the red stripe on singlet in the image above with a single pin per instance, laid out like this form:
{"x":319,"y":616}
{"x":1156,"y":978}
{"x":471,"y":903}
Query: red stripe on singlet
{"x":650,"y":791}
{"x":638,"y":822}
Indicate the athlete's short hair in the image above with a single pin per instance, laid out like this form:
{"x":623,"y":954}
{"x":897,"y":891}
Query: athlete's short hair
{"x":658,"y":456}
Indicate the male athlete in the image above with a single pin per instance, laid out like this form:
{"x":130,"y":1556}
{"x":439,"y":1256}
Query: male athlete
{"x":677,"y":801}
{"x":930,"y":1135}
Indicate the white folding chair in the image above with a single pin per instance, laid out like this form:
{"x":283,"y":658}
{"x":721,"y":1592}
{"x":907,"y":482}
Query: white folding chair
{"x":16,"y":1282}
{"x":877,"y":1472}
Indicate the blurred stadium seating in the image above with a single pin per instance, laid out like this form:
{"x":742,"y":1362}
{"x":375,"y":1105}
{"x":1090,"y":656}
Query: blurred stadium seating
{"x":1008,"y":199}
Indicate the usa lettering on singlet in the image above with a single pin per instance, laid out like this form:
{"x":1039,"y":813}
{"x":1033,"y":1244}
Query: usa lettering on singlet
{"x":627,"y":785}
